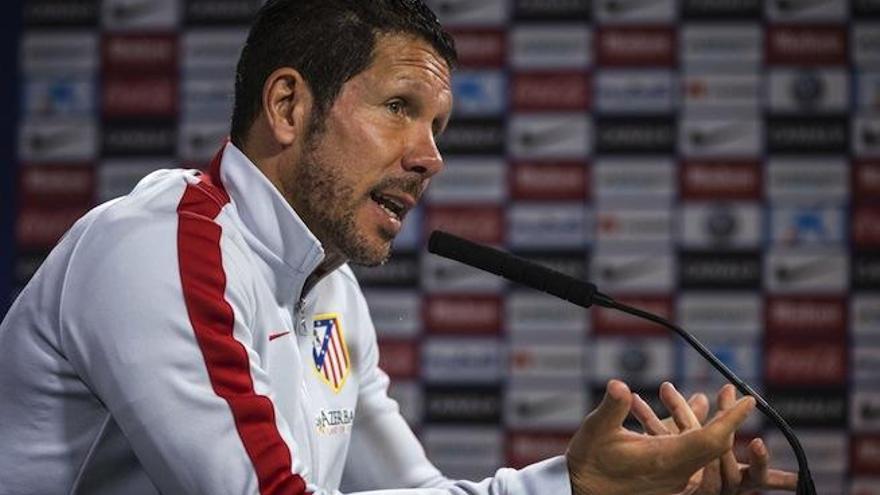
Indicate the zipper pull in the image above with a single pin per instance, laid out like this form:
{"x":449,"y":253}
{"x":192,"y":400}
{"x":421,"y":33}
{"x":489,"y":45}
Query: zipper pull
{"x":302,"y":329}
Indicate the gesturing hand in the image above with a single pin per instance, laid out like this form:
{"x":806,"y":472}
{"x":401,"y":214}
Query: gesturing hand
{"x":723,"y":476}
{"x":604,"y":458}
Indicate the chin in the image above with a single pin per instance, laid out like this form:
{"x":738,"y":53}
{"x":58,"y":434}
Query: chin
{"x":366,"y":251}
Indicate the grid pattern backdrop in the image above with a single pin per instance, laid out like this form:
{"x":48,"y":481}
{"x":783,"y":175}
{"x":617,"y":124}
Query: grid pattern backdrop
{"x":714,"y":161}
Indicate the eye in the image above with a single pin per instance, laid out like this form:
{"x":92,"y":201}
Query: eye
{"x":396,"y":106}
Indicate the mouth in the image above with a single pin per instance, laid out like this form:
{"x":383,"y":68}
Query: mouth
{"x":396,"y":206}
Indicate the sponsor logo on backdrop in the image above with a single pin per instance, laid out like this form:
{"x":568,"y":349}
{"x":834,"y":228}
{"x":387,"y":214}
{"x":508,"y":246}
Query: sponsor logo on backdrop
{"x":865,"y":364}
{"x":399,"y":358}
{"x":807,"y":134}
{"x":613,"y":322}
{"x":721,"y":179}
{"x":639,"y":273}
{"x":864,"y":8}
{"x":865,"y":410}
{"x":47,"y":95}
{"x":547,"y":362}
{"x":634,"y":91}
{"x":810,"y":407}
{"x":56,"y":184}
{"x":807,"y":10}
{"x":548,"y":91}
{"x":634,"y":226}
{"x":219,"y":12}
{"x":742,"y":358}
{"x":126,"y":53}
{"x":865,"y":451}
{"x":526,"y":312}
{"x":60,"y":13}
{"x":408,"y":395}
{"x":470,"y":181}
{"x":470,"y":360}
{"x":544,"y":407}
{"x":525,"y":448}
{"x":197,"y":141}
{"x":818,"y":272}
{"x":806,"y":45}
{"x":117,"y":177}
{"x":566,"y":136}
{"x":807,"y":178}
{"x":826,"y":450}
{"x":138,"y":138}
{"x":464,"y":452}
{"x":868,"y":91}
{"x":805,"y":316}
{"x":642,"y":361}
{"x":864,"y":486}
{"x":479,"y":93}
{"x":725,"y":9}
{"x":626,"y":11}
{"x":473,"y":136}
{"x":865,"y":271}
{"x":557,"y":180}
{"x":563,"y":225}
{"x":119,"y":15}
{"x":57,"y":141}
{"x":795,"y":362}
{"x":478,"y":223}
{"x":713,"y":270}
{"x":635,"y":135}
{"x":442,"y":275}
{"x":726,"y":314}
{"x":540,"y":10}
{"x":866,"y":183}
{"x":207,"y":99}
{"x":71,"y":52}
{"x":807,"y":225}
{"x":732,"y":92}
{"x":481,"y":48}
{"x":470,"y":12}
{"x":865,"y":315}
{"x":550,"y":47}
{"x":808,"y":90}
{"x":720,"y":225}
{"x":402,"y":269}
{"x":740,"y":137}
{"x":636,"y":46}
{"x":634,"y":179}
{"x":722,"y":46}
{"x":214,"y":50}
{"x":40,"y":227}
{"x":463,"y":314}
{"x":462,"y":404}
{"x":395,"y":313}
{"x":146,"y":96}
{"x":866,"y":45}
{"x":866,"y":136}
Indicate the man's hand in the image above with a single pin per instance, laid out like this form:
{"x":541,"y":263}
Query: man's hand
{"x":723,"y":476}
{"x":604,"y":458}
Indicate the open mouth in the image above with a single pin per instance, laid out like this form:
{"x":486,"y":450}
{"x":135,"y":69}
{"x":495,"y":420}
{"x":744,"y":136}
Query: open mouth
{"x":394,"y":207}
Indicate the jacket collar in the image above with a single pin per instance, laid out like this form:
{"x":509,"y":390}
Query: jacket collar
{"x":270,"y":226}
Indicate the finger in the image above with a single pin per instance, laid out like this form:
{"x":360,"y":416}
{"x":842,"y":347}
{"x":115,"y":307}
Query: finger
{"x":699,"y":404}
{"x":681,"y":412}
{"x":647,"y":418}
{"x":731,"y":476}
{"x":612,"y":411}
{"x":759,"y":458}
{"x":711,"y":441}
{"x":780,"y":480}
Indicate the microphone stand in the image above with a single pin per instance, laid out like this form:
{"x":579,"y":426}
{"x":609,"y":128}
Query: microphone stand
{"x":585,"y":294}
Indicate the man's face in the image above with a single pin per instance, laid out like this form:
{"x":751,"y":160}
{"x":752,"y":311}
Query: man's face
{"x":366,"y":165}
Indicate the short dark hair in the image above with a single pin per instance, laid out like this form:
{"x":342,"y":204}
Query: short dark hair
{"x":328,"y":42}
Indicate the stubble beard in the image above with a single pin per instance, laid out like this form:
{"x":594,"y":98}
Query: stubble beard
{"x":325,"y":200}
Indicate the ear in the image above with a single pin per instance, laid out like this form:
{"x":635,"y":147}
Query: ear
{"x":287,"y":105}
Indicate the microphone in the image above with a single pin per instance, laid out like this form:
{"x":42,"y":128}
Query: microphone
{"x":585,"y":294}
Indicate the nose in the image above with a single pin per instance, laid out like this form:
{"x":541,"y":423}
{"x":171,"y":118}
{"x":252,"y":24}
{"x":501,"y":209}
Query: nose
{"x":422,"y":156}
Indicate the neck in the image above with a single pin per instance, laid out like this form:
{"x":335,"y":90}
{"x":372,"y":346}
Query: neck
{"x":332,"y":261}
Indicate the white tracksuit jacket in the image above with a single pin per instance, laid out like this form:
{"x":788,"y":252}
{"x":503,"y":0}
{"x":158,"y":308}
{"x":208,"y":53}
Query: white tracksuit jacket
{"x":161,"y":348}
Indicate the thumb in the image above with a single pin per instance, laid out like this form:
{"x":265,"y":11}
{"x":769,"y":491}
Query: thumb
{"x":612,"y":411}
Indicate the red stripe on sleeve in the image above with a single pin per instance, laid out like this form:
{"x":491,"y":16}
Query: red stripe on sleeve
{"x":226,"y":359}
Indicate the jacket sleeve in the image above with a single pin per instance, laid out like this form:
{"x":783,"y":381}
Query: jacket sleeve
{"x":154,"y":318}
{"x":397,"y":459}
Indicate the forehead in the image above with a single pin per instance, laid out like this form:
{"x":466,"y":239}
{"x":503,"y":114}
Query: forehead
{"x":402,"y":56}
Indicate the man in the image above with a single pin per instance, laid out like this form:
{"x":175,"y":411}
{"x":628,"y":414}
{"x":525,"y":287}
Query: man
{"x":204,"y":335}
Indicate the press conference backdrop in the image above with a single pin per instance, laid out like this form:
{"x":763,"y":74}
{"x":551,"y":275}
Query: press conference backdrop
{"x":717,"y":162}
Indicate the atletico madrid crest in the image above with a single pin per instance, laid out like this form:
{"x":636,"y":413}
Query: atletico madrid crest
{"x":329,"y":351}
